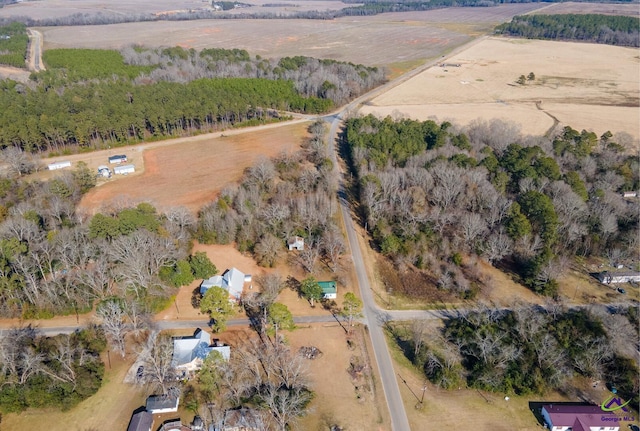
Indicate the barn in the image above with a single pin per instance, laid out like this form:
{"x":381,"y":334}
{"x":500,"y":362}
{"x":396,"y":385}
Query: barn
{"x":58,"y":165}
{"x":124,"y":169}
{"x":120,"y":158}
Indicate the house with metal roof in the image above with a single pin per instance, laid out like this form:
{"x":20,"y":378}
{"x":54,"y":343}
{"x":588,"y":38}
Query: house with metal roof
{"x":566,"y":417}
{"x":232,"y":280}
{"x":190,"y":352}
{"x":329,"y":289}
{"x":157,"y":404}
{"x":141,"y":421}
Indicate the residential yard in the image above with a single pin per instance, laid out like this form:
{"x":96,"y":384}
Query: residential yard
{"x":353,"y":404}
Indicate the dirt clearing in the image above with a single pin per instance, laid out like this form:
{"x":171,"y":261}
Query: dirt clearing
{"x":192,"y":171}
{"x":573,"y":84}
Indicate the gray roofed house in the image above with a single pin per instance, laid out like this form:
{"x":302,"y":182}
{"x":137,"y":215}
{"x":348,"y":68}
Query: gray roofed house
{"x":189,"y":352}
{"x":232,"y":280}
{"x":141,"y":421}
{"x":162,"y":404}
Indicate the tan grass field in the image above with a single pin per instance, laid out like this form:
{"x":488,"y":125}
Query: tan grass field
{"x":187,"y":172}
{"x":599,"y":8}
{"x":585,"y":86}
{"x":379,"y":40}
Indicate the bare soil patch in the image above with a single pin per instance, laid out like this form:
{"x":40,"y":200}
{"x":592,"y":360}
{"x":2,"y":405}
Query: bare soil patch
{"x":573,"y":84}
{"x":20,"y":75}
{"x":190,"y":172}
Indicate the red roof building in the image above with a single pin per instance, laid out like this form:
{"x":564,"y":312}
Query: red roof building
{"x":564,"y":417}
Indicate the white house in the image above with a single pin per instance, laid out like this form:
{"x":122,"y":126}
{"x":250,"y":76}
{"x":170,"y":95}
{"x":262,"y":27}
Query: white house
{"x":564,"y":417}
{"x":58,"y":165}
{"x":157,"y":404}
{"x":232,"y":280}
{"x":296,"y":243}
{"x":189,"y":352}
{"x":124,"y":169}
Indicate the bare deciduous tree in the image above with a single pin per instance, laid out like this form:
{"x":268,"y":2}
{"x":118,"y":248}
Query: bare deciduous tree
{"x":112,"y":316}
{"x":333,"y":247}
{"x":156,"y":355}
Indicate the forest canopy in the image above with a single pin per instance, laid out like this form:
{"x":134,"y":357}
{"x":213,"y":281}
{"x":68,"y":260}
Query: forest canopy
{"x":606,"y":29}
{"x":430,"y":193}
{"x":90,"y":99}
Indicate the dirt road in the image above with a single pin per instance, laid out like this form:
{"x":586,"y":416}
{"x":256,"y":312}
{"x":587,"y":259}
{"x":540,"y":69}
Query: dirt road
{"x":35,"y":50}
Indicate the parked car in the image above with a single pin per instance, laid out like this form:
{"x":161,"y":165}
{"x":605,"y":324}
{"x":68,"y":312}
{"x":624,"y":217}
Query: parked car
{"x":634,"y":427}
{"x":621,"y":290}
{"x":139,"y":372}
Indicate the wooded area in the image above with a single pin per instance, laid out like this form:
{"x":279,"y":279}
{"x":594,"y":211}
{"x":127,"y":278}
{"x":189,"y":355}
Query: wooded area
{"x":528,"y":349}
{"x":431,"y":194}
{"x":13,"y":45}
{"x":276,"y":200}
{"x":607,"y":29}
{"x":93,"y":99}
{"x":58,"y":372}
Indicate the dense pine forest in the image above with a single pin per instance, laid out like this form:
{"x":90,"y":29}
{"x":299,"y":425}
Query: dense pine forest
{"x":90,"y":98}
{"x":431,"y":194}
{"x":607,"y":29}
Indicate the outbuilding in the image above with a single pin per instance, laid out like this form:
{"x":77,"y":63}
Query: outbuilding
{"x":329,"y":290}
{"x":141,"y":421}
{"x":124,"y":169}
{"x":59,"y":165}
{"x":104,"y":171}
{"x":120,"y":158}
{"x":162,"y":404}
{"x":614,"y":277}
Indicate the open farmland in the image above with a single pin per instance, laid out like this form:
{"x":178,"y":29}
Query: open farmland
{"x":190,"y":172}
{"x":599,"y":8}
{"x":586,"y":86}
{"x":60,"y":8}
{"x":376,"y":40}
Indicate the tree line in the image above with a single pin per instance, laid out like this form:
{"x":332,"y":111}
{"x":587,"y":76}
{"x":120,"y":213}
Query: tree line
{"x":606,"y":29}
{"x":431,"y":194}
{"x":13,"y":44}
{"x":92,"y":99}
{"x":528,"y":349}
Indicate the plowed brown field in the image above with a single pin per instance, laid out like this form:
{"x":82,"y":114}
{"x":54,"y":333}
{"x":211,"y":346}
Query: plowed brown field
{"x":190,"y":172}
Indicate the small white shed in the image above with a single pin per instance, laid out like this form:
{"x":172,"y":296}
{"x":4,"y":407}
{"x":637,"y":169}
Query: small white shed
{"x":59,"y":165}
{"x":124,"y":169}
